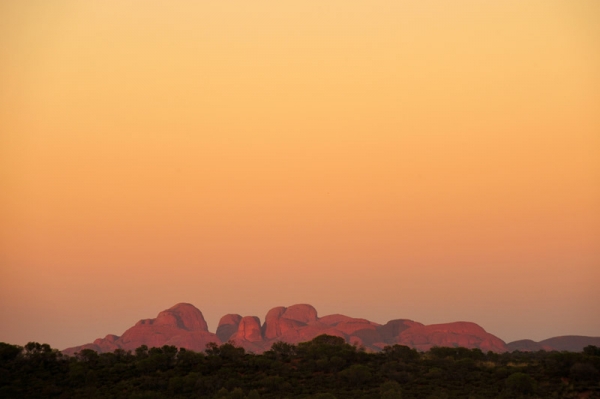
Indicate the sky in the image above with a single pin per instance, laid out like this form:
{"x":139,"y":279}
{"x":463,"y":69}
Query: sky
{"x":430,"y":160}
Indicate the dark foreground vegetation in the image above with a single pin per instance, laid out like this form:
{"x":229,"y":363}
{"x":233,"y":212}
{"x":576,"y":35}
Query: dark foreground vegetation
{"x":324,"y":368}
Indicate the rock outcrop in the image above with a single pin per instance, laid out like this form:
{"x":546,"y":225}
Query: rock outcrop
{"x":571,"y":343}
{"x":183,"y":325}
{"x":463,"y":334}
{"x":248,"y":330}
{"x":527,"y":345}
{"x":228,"y":325}
{"x":249,"y":335}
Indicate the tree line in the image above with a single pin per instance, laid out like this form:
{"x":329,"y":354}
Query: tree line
{"x":324,"y":368}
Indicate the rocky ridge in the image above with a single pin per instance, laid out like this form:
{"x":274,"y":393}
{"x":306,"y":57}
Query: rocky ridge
{"x":183,"y":325}
{"x":571,"y":343}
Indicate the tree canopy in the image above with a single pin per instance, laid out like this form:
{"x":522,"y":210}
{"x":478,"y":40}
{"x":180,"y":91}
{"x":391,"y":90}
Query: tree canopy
{"x":326,"y":367}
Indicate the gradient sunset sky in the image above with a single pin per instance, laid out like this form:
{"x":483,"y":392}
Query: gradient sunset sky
{"x":432,"y":160}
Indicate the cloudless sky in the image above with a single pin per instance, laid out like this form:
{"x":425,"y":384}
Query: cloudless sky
{"x":431,"y":160}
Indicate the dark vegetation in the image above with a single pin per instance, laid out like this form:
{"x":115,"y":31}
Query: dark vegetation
{"x":323,"y":368}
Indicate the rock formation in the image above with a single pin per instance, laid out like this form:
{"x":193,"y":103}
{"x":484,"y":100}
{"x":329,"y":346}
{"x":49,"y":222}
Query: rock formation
{"x":464,"y":334}
{"x":228,"y":325}
{"x":527,"y":345}
{"x":572,"y":343}
{"x":183,"y":325}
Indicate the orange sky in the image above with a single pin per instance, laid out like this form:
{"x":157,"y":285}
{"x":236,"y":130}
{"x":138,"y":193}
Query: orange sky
{"x":431,"y":160}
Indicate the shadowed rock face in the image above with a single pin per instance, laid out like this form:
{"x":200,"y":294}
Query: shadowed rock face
{"x":527,"y":345}
{"x":572,"y":343}
{"x":183,"y":325}
{"x":228,"y":325}
{"x":392,"y":329}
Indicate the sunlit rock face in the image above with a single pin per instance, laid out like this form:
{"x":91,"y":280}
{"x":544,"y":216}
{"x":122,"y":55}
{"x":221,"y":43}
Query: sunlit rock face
{"x":463,"y":334}
{"x":184,"y":316}
{"x":184,"y":326}
{"x":301,"y":313}
{"x":249,"y":335}
{"x":248,"y":330}
{"x":289,"y":324}
{"x":274,"y":327}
